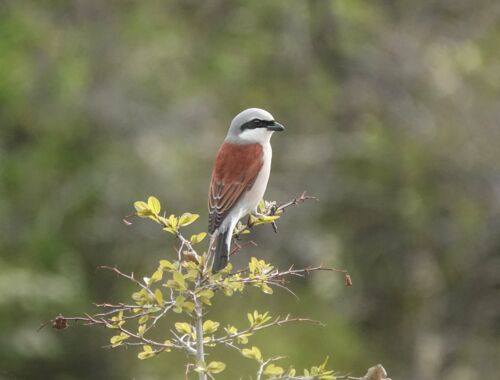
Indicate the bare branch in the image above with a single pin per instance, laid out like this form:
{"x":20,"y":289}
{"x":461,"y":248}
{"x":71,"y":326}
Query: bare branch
{"x":276,"y":322}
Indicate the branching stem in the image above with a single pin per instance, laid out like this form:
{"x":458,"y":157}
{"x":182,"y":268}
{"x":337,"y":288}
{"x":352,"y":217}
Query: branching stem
{"x":192,"y":284}
{"x":200,"y":354}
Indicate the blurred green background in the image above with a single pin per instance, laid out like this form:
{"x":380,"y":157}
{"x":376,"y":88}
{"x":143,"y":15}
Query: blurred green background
{"x":392,"y":110}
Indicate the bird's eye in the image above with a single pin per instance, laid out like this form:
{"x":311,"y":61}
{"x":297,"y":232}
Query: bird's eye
{"x":257,"y":123}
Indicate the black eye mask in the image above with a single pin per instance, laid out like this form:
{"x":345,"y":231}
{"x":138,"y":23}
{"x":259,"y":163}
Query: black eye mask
{"x":257,"y":123}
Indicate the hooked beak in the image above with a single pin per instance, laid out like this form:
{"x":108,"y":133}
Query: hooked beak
{"x":277,"y":127}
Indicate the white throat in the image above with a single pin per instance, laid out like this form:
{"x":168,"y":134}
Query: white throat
{"x":257,"y":135}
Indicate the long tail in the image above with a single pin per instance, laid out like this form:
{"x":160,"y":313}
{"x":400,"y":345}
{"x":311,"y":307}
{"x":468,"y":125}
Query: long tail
{"x":221,"y":251}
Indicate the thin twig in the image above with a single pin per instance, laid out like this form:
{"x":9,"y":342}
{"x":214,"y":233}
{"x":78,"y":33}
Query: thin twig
{"x":128,"y":277}
{"x":276,"y":322}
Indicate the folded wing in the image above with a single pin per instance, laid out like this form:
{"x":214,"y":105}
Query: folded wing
{"x":235,"y":171}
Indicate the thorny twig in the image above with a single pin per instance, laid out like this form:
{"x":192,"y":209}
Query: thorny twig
{"x":239,"y":247}
{"x":276,"y":322}
{"x":272,"y":210}
{"x":115,"y":315}
{"x":128,"y":277}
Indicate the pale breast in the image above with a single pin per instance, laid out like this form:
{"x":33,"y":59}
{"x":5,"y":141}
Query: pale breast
{"x":251,"y":198}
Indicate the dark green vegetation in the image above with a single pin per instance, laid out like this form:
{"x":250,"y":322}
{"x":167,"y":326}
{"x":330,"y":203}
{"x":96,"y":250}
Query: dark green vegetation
{"x":392,"y":115}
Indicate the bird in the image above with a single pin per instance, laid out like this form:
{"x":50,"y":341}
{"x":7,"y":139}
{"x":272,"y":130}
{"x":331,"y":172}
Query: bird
{"x":239,"y":177}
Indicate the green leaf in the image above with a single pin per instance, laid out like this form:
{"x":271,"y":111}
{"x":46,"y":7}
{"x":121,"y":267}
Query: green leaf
{"x":195,"y":239}
{"x":263,"y":219}
{"x":226,"y":288}
{"x":235,"y":285}
{"x":323,"y":366}
{"x":205,"y":295}
{"x":258,"y":319}
{"x":231,"y":330}
{"x":146,"y":353}
{"x":183,"y":327}
{"x":243,"y":338}
{"x":179,"y":302}
{"x":252,"y":353}
{"x":268,"y":218}
{"x":262,"y":206}
{"x":141,"y":297}
{"x":116,"y":321}
{"x":192,"y":274}
{"x":143,"y":319}
{"x":172,"y":224}
{"x":167,"y":266}
{"x":178,"y":283}
{"x":209,"y":327}
{"x":155,"y":277}
{"x":179,"y":278}
{"x":324,"y":374}
{"x":228,"y":268}
{"x":142,"y":209}
{"x":140,"y":206}
{"x":216,"y":367}
{"x":266,"y":288}
{"x":188,"y":307}
{"x":273,"y":370}
{"x":141,"y":330}
{"x":118,"y":317}
{"x":159,"y":297}
{"x":187,"y":218}
{"x":253,"y":265}
{"x":154,"y":205}
{"x":118,"y":339}
{"x":259,"y":268}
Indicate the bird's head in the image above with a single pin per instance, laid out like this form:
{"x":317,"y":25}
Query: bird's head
{"x":253,"y":125}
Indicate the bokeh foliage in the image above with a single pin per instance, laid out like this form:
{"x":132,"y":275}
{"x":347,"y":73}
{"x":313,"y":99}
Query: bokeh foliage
{"x":391,"y":109}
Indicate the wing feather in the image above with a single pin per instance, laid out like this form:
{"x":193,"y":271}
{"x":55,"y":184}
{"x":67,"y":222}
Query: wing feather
{"x":235,"y":170}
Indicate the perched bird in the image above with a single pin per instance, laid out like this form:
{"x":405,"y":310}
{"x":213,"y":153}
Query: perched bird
{"x":239,"y":177}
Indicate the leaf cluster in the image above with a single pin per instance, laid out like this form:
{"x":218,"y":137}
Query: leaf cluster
{"x":185,"y":286}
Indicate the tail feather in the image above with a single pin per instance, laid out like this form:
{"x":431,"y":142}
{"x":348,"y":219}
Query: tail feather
{"x":221,"y":252}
